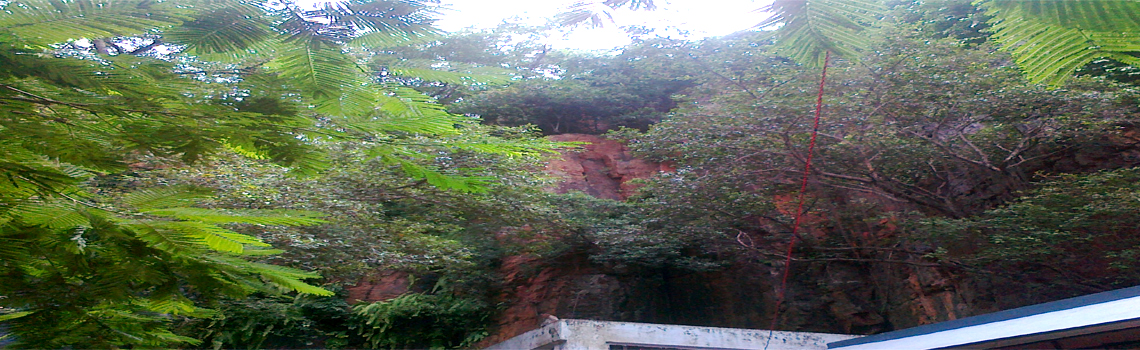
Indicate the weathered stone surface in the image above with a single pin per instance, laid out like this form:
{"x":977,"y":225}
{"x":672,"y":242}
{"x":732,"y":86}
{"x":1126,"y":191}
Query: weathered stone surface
{"x":831,"y":297}
{"x":602,"y":168}
{"x":379,"y":286}
{"x":592,"y":334}
{"x":568,"y":287}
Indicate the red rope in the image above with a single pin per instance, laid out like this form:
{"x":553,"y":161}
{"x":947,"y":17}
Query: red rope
{"x":800,"y":207}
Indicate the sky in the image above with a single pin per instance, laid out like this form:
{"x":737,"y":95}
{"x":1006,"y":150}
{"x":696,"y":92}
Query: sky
{"x":673,"y":18}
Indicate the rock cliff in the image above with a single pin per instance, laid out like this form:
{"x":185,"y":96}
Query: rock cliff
{"x":602,"y":168}
{"x":836,"y":297}
{"x":849,"y":298}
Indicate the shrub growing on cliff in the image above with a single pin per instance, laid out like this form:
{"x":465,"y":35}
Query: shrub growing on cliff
{"x":423,"y":321}
{"x":90,"y":86}
{"x":1076,"y":230}
{"x":278,"y":322}
{"x":589,"y":94}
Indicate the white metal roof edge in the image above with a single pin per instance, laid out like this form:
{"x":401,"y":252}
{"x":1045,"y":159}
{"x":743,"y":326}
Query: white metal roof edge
{"x":1053,"y":321}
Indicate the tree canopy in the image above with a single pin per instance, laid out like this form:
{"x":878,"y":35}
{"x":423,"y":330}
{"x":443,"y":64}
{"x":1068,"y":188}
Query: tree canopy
{"x":217,"y":173}
{"x":91,"y":88}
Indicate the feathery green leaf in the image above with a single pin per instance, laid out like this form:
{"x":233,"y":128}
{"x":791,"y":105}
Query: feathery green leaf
{"x":810,"y":29}
{"x":1051,"y":39}
{"x":54,"y":21}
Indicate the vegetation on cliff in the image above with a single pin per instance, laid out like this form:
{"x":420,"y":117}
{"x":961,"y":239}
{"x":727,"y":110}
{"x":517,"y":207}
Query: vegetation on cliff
{"x":184,"y":174}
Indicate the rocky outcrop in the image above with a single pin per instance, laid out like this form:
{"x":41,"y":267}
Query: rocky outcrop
{"x":833,"y":296}
{"x":601,"y":167}
{"x":849,"y":298}
{"x":380,"y":286}
{"x":567,"y":288}
{"x":573,"y":287}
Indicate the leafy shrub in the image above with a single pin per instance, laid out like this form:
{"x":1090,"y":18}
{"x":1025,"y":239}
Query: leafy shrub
{"x":623,"y":234}
{"x":420,"y":321}
{"x":1075,"y":230}
{"x":276,"y":322}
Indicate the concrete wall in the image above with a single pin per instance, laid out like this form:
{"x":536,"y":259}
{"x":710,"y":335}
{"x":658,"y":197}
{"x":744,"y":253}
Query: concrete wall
{"x":599,"y":335}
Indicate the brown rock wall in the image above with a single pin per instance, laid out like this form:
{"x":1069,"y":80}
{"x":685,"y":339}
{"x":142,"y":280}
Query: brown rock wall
{"x":569,"y":287}
{"x":601,"y":167}
{"x":379,"y":286}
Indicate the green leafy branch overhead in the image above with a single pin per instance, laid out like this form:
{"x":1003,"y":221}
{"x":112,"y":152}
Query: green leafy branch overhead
{"x":810,"y":29}
{"x":1052,"y":39}
{"x":105,"y":273}
{"x":1049,"y":39}
{"x":93,"y":87}
{"x":312,"y":61}
{"x":598,"y":12}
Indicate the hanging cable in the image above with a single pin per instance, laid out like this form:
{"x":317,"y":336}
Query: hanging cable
{"x":780,"y":293}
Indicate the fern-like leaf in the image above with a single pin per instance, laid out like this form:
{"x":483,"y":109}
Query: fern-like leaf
{"x":320,"y":71}
{"x":174,"y":305}
{"x":1121,"y":16}
{"x":810,"y":29}
{"x":13,"y":315}
{"x":261,"y":252}
{"x":373,"y":16}
{"x":598,"y":12}
{"x":171,"y":241}
{"x":458,"y":78}
{"x":51,"y":215}
{"x":395,"y":156}
{"x":408,"y":110}
{"x":400,"y":109}
{"x":233,"y":28}
{"x":285,"y":277}
{"x":1051,"y":39}
{"x":256,"y":217}
{"x":54,"y":21}
{"x":211,"y":236}
{"x":387,"y":39}
{"x":165,"y":197}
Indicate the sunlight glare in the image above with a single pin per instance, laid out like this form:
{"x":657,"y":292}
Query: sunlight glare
{"x":681,"y":19}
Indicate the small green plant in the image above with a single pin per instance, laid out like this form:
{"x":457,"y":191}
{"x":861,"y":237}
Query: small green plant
{"x":276,"y":321}
{"x":420,"y":321}
{"x":1075,"y":230}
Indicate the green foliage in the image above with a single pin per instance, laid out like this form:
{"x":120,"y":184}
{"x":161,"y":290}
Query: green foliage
{"x":54,"y":21}
{"x":266,"y":321}
{"x":239,"y":96}
{"x":925,"y":113}
{"x":591,"y":94}
{"x":810,"y":29}
{"x":557,"y":106}
{"x":597,"y":13}
{"x":1052,"y":39}
{"x":90,"y":273}
{"x":1074,"y":230}
{"x":940,"y":19}
{"x":89,"y":89}
{"x":1113,"y":70}
{"x":423,"y":321}
{"x":627,"y":236}
{"x":379,"y":217}
{"x":920,"y":127}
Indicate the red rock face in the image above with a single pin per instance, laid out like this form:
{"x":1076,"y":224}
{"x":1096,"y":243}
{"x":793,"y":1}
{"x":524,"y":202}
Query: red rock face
{"x":379,"y":286}
{"x":602,"y":168}
{"x":571,"y":286}
{"x":539,"y":289}
{"x":738,"y":296}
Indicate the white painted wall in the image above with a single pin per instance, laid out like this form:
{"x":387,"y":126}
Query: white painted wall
{"x":598,"y":335}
